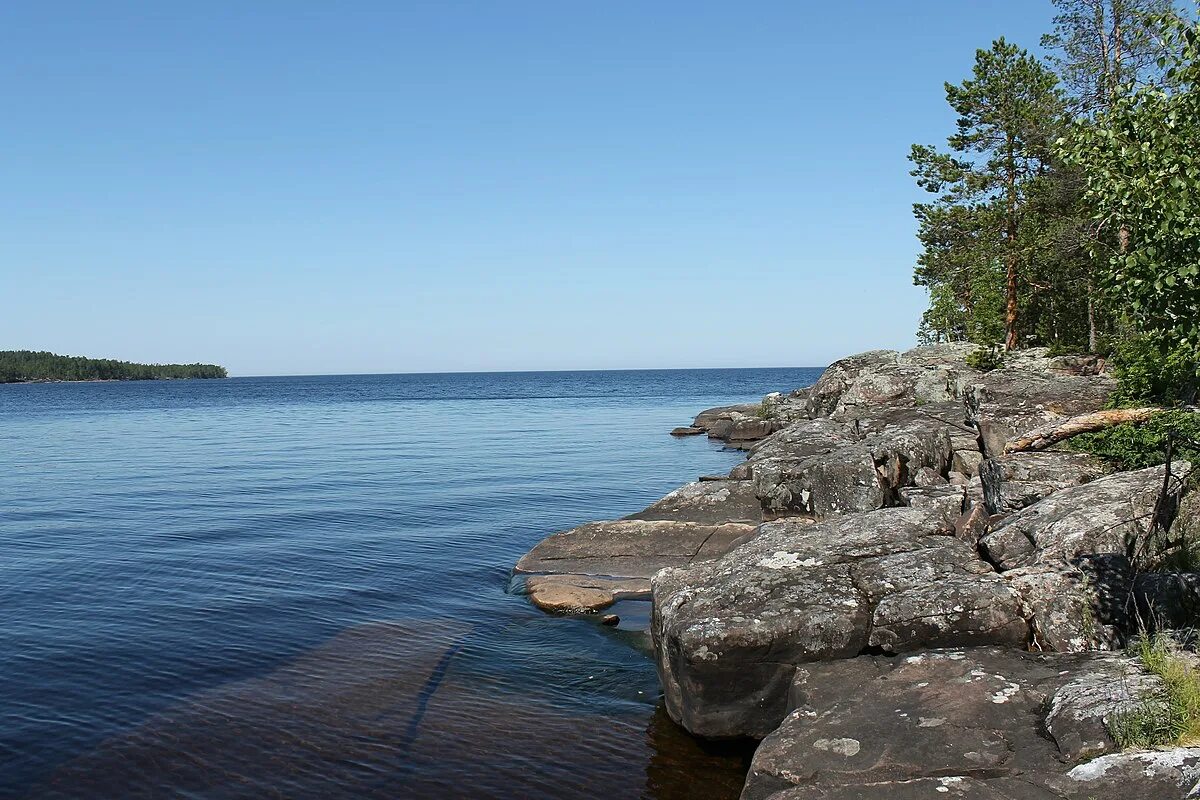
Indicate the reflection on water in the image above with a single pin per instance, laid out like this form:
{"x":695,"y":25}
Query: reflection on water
{"x":382,"y":712}
{"x":296,"y":587}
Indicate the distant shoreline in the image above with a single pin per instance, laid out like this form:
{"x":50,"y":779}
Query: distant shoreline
{"x":105,"y":380}
{"x":40,"y":366}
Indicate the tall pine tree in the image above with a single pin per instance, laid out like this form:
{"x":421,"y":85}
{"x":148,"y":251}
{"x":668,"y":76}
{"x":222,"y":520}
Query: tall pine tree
{"x":1009,"y":112}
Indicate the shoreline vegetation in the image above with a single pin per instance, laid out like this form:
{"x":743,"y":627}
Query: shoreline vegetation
{"x":31,"y":366}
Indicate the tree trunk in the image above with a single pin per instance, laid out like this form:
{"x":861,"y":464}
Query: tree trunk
{"x":1091,"y":312}
{"x":1010,"y":283}
{"x":1046,"y":435}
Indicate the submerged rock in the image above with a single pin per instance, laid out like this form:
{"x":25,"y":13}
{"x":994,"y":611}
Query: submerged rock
{"x":730,"y":633}
{"x":581,"y":594}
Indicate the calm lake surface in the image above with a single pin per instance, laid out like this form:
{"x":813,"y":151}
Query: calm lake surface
{"x":298,"y":587}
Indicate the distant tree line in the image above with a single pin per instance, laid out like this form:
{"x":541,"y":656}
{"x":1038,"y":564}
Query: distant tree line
{"x":1066,"y":204}
{"x":19,"y":366}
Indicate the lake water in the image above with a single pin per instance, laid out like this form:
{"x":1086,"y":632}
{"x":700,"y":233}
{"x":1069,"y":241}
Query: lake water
{"x":298,"y":587}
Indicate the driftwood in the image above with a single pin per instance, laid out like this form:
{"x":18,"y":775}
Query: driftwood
{"x":1046,"y":435}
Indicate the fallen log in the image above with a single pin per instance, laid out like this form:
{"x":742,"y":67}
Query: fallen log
{"x":1042,"y":437}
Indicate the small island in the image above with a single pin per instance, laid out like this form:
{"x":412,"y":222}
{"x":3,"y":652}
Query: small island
{"x":31,"y":366}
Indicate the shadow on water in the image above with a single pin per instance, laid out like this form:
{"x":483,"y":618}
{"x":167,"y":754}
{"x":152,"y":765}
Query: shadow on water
{"x":382,"y":711}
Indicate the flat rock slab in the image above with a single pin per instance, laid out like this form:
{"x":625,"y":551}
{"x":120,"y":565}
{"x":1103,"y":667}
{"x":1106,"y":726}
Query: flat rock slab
{"x":709,"y":417}
{"x":687,"y":431}
{"x":631,"y":548}
{"x":1099,"y":517}
{"x":729,"y":634}
{"x":712,"y":502}
{"x":576,"y":594}
{"x":949,"y":723}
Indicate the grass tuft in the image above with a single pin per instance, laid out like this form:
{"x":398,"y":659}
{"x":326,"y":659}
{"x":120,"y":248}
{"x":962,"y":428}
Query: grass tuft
{"x":1170,"y":718}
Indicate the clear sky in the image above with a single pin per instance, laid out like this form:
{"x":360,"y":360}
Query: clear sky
{"x":302,"y":187}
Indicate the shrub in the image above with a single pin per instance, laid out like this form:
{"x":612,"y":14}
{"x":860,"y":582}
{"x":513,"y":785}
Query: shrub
{"x":1138,"y":446}
{"x":986,"y":359}
{"x":1148,"y":373}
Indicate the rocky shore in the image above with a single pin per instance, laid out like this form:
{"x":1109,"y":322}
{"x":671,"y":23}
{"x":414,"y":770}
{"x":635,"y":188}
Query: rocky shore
{"x":897,"y":601}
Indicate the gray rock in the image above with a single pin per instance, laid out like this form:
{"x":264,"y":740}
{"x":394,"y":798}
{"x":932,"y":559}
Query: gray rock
{"x":946,"y":499}
{"x":826,"y":393}
{"x":711,"y":502}
{"x":742,"y":472}
{"x":1074,"y":608}
{"x":1173,"y":773}
{"x":729,"y":633}
{"x":925,"y":477}
{"x":967,"y":462}
{"x":821,"y":468}
{"x":815,"y":467}
{"x":1081,"y":710}
{"x":1103,"y":516}
{"x":747,"y":428}
{"x":706,"y":419}
{"x":1008,"y":402}
{"x":1012,"y":482}
{"x":957,"y":723}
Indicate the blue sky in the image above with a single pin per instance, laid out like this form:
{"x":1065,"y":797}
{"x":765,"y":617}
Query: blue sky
{"x":301,"y":187}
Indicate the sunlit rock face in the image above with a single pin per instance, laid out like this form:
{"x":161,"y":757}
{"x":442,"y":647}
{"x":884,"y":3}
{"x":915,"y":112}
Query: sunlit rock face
{"x":969,"y":723}
{"x":729,"y":634}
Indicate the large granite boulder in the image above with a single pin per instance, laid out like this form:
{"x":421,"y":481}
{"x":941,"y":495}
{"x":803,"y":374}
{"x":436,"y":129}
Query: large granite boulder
{"x":1108,"y":515}
{"x":861,"y":383}
{"x":730,"y":633}
{"x":957,"y":723}
{"x":816,"y":467}
{"x":1082,"y":710}
{"x":1012,"y":482}
{"x":1076,"y":607}
{"x":1167,"y":774}
{"x":1012,"y":401}
{"x":824,"y":395}
{"x":821,"y":468}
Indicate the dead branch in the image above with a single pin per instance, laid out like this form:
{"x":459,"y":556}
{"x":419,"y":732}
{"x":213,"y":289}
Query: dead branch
{"x":1047,"y":435}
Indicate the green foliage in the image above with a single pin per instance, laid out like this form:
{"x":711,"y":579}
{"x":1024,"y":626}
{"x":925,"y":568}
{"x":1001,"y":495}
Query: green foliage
{"x":768,"y":407}
{"x":1142,"y":162}
{"x":973,"y":234}
{"x":1145,"y":445}
{"x":1100,"y":46}
{"x":986,"y":359}
{"x":18,"y":366}
{"x":1066,"y":234}
{"x":1146,"y":375}
{"x":1170,"y":718}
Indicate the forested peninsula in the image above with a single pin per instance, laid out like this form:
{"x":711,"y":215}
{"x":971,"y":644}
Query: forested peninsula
{"x":28,"y":366}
